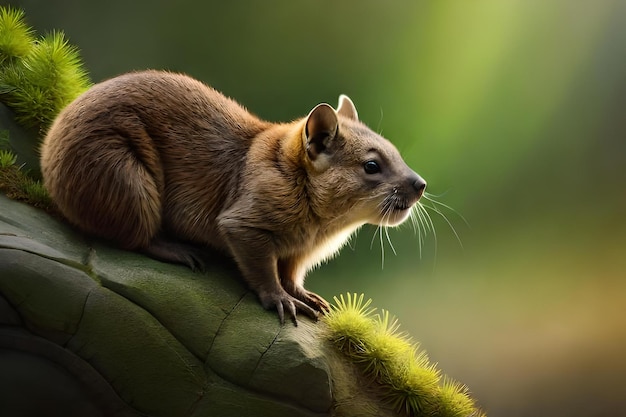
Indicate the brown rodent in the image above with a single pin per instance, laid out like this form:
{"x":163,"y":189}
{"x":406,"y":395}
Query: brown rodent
{"x":161,"y":163}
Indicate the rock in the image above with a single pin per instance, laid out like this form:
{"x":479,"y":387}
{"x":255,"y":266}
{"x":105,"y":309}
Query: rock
{"x":92,"y":330}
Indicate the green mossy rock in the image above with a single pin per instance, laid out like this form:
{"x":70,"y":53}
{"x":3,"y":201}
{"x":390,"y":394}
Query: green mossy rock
{"x":87,"y":329}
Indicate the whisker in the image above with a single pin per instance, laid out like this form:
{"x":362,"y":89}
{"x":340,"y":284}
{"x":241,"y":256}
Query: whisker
{"x":389,"y":241}
{"x":427,"y":194}
{"x":416,"y":217}
{"x":374,"y":236}
{"x":432,"y":200}
{"x":387,"y":211}
{"x":387,"y":214}
{"x":439,"y":212}
{"x":421,"y":221}
{"x":414,"y":220}
{"x":379,"y":231}
{"x":425,"y":226}
{"x":382,"y":248}
{"x":430,"y":225}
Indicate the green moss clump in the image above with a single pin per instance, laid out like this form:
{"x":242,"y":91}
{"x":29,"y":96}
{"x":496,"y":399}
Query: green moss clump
{"x":18,"y":185}
{"x":7,"y":158}
{"x":404,"y":374}
{"x":38,"y":78}
{"x":16,"y":38}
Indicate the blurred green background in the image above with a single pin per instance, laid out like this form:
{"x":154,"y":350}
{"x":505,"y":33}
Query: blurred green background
{"x":512,"y":110}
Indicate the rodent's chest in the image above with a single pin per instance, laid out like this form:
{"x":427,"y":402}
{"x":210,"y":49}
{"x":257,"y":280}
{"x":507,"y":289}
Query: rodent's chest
{"x":316,"y":244}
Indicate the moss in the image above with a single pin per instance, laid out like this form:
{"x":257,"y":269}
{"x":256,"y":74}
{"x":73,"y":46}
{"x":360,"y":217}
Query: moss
{"x":38,"y":78}
{"x":405,"y":377}
{"x":7,"y":159}
{"x":16,"y":38}
{"x":43,"y":82}
{"x":18,"y":185}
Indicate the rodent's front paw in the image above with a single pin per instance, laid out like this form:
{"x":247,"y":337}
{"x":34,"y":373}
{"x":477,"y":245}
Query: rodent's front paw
{"x":282,"y":301}
{"x":315,"y":301}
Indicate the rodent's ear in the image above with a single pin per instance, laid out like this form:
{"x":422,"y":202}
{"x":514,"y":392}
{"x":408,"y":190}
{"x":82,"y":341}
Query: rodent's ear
{"x":319,"y":131}
{"x":346,"y":108}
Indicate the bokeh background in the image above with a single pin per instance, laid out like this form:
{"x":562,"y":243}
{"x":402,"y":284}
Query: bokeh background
{"x":513,"y":111}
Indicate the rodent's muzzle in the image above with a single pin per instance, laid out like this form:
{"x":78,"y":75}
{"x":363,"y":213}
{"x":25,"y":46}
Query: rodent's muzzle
{"x":409,"y":194}
{"x":419,"y":185}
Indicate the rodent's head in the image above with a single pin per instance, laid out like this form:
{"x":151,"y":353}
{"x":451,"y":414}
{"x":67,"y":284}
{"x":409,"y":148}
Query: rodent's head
{"x":356,"y":174}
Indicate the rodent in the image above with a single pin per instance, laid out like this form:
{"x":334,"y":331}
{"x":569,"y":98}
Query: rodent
{"x":161,"y":163}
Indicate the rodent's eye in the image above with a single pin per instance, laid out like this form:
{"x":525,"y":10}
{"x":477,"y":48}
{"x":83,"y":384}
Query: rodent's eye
{"x":371,"y":167}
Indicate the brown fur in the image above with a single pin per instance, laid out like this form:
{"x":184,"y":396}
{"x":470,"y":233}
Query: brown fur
{"x":152,"y":159}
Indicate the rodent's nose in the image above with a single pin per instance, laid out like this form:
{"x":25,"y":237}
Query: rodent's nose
{"x":419,"y":185}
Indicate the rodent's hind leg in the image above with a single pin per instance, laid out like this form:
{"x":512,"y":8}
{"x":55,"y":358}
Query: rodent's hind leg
{"x":172,"y":251}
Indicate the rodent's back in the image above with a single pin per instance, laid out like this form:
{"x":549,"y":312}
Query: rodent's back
{"x":141,"y":151}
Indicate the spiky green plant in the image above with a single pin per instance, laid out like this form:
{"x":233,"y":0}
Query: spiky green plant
{"x":350,"y":322}
{"x":36,"y":193}
{"x":38,"y":77}
{"x":387,"y":357}
{"x":16,"y":38}
{"x":44,"y":81}
{"x":7,"y":158}
{"x":18,"y":185}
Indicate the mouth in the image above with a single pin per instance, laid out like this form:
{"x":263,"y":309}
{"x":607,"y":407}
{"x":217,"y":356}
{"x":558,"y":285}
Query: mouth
{"x":395,"y":217}
{"x":396,"y":214}
{"x":403,"y":207}
{"x":401,"y":204}
{"x":397,"y":209}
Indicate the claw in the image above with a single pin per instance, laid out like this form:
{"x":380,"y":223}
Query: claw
{"x":281,"y":312}
{"x":176,"y":252}
{"x":321,"y":304}
{"x":282,"y":301}
{"x":292,"y":311}
{"x":312,"y":300}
